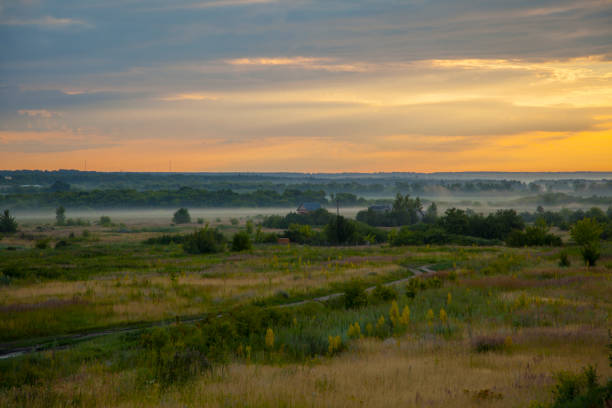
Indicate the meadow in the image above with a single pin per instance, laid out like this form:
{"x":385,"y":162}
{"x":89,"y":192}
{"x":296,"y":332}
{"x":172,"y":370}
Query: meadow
{"x":473,"y":326}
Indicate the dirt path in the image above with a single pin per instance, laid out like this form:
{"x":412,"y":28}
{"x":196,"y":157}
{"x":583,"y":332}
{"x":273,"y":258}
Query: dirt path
{"x":65,"y":341}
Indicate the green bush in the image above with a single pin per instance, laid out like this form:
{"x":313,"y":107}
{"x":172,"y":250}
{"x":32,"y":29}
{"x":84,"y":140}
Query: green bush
{"x":62,"y":244}
{"x":181,"y":216}
{"x":7,"y":223}
{"x":105,"y":221}
{"x":533,"y":236}
{"x":166,"y":239}
{"x":581,"y":390}
{"x":383,"y":294}
{"x":241,"y":241}
{"x":42,"y":243}
{"x":204,"y":241}
{"x":564,"y":260}
{"x":354,"y":295}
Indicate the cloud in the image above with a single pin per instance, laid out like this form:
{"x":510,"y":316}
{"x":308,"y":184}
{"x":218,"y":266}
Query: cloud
{"x":310,"y":63}
{"x":220,"y":3}
{"x":49,"y":142}
{"x":189,"y":97}
{"x":42,"y":113}
{"x":49,"y":22}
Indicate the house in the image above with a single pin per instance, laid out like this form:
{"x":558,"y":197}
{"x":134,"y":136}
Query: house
{"x":380,"y":208}
{"x":306,"y":208}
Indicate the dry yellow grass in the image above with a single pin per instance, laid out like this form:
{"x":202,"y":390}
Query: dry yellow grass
{"x":409,"y":373}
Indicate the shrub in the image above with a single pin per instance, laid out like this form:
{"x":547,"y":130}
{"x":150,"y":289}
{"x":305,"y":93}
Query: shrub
{"x":105,"y":221}
{"x":200,"y":221}
{"x":564,"y":260}
{"x":586,"y":233}
{"x":574,"y":390}
{"x":241,"y":241}
{"x":61,"y":244}
{"x":166,"y":239}
{"x":533,"y":236}
{"x":590,"y":254}
{"x":383,"y":294}
{"x":7,"y":223}
{"x":234,"y":221}
{"x":42,"y":243}
{"x":181,"y":216}
{"x":60,"y":215}
{"x":204,"y":241}
{"x":483,"y":344}
{"x":354,"y":295}
{"x":319,"y":217}
{"x":340,"y":231}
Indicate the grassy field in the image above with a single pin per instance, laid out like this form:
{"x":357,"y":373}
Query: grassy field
{"x":491,"y":326}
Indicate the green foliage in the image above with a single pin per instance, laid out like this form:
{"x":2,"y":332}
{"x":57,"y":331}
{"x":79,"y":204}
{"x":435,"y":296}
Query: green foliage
{"x":175,"y":354}
{"x":62,"y":244}
{"x":405,"y":211}
{"x":241,"y":241}
{"x":493,"y":226}
{"x":60,"y":215}
{"x":8,"y":224}
{"x":431,"y":214}
{"x":42,"y":243}
{"x":424,"y":234}
{"x":181,"y":216}
{"x":536,"y":235}
{"x":166,"y":239}
{"x":318,"y":217}
{"x":586,"y":233}
{"x":339,"y":230}
{"x":416,"y":285}
{"x":204,"y":241}
{"x":484,"y":344}
{"x":382,"y":293}
{"x":105,"y":221}
{"x":564,"y":260}
{"x":576,"y":390}
{"x":354,"y":295}
{"x":304,"y":234}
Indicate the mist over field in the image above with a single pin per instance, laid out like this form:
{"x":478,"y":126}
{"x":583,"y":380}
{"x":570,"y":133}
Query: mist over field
{"x":305,"y":203}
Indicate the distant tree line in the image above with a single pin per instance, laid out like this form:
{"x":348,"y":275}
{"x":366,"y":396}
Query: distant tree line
{"x":185,"y":197}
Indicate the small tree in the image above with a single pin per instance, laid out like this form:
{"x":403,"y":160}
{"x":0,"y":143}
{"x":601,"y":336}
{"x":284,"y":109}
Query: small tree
{"x":181,"y":216}
{"x":7,"y":223}
{"x":586,"y":233}
{"x":431,"y":214}
{"x":60,"y":215}
{"x":241,"y":241}
{"x":204,"y":241}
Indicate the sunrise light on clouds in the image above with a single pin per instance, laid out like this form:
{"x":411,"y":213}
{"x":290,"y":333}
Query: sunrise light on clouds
{"x":306,"y":86}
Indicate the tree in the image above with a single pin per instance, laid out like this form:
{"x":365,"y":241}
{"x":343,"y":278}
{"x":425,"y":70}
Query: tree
{"x":59,"y":186}
{"x":340,"y":230}
{"x":181,"y":216}
{"x":586,"y":233}
{"x":7,"y":223}
{"x":241,"y":241}
{"x":204,"y":241}
{"x":60,"y":215}
{"x":431,"y":215}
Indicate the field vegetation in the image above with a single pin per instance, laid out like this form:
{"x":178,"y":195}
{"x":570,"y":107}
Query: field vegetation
{"x":223,"y":315}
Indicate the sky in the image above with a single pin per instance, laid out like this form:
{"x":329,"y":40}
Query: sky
{"x":306,"y":85}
